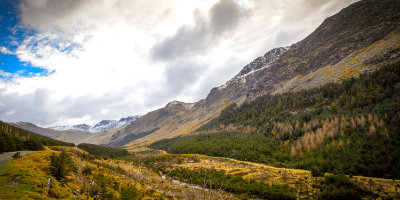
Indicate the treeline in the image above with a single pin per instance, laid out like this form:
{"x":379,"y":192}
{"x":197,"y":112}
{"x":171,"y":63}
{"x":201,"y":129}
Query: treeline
{"x":351,"y":96}
{"x":103,"y":151}
{"x":350,"y":127}
{"x":339,"y":186}
{"x":246,"y":188}
{"x":16,"y":139}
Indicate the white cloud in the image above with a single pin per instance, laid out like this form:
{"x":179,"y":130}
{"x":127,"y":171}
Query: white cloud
{"x":102,"y":52}
{"x":4,"y":50}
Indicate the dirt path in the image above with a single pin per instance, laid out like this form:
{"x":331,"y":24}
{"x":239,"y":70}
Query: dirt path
{"x":5,"y":157}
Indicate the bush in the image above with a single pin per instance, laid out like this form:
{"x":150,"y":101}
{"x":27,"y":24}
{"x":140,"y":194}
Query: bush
{"x":340,"y":187}
{"x":16,"y":155}
{"x":316,"y":172}
{"x":87,"y":171}
{"x":60,"y":165}
{"x":102,"y":151}
{"x":54,"y":193}
{"x":128,"y":193}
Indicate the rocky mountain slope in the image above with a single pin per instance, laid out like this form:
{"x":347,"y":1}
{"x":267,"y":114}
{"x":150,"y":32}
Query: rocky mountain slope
{"x":359,"y":39}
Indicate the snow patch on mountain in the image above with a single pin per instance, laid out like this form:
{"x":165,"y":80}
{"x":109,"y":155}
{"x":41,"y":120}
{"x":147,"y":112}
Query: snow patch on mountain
{"x":257,"y":65}
{"x":99,"y":127}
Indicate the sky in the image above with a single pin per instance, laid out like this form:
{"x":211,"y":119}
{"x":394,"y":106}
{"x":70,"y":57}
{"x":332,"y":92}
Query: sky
{"x":65,"y":62}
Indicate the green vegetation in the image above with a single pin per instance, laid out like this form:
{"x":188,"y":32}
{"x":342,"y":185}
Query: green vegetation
{"x":219,"y":180}
{"x":50,"y":174}
{"x":129,"y":193}
{"x":103,"y":151}
{"x":16,"y":155}
{"x":16,"y":139}
{"x":337,"y":187}
{"x":350,"y":127}
{"x":61,"y":165}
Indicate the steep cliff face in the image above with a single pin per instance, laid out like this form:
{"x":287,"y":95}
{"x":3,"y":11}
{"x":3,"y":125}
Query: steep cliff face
{"x":358,"y":39}
{"x":365,"y":33}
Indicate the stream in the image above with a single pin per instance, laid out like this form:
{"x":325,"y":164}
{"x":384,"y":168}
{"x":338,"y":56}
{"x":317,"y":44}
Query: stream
{"x":182,"y":183}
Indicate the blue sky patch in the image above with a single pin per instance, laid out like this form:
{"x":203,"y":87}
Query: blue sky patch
{"x":11,"y":34}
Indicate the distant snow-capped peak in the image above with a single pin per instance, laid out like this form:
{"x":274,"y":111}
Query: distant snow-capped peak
{"x":99,"y":127}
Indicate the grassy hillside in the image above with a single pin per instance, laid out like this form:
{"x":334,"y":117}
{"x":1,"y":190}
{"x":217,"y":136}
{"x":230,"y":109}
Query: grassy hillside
{"x":34,"y":177}
{"x":71,"y":173}
{"x":16,"y":139}
{"x":350,"y":127}
{"x":103,"y":151}
{"x":253,"y":180}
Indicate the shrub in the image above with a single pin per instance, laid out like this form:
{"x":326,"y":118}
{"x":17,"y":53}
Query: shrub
{"x":60,"y":165}
{"x":316,"y":172}
{"x":128,"y":193}
{"x":16,"y":155}
{"x":340,"y":187}
{"x":87,"y":171}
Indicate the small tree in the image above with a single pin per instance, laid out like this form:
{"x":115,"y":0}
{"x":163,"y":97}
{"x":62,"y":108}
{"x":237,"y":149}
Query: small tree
{"x":293,"y":152}
{"x":129,"y":193}
{"x":16,"y":155}
{"x":316,"y":172}
{"x":60,"y":165}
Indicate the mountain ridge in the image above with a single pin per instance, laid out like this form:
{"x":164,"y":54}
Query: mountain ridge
{"x":101,"y":126}
{"x":358,"y":39}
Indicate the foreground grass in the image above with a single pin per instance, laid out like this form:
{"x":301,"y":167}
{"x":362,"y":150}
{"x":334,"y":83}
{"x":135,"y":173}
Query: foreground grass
{"x":137,"y":177}
{"x":28,"y":178}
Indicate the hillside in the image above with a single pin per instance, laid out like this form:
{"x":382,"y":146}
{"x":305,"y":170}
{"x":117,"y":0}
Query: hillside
{"x":156,"y":175}
{"x":350,"y":127}
{"x":73,"y":136}
{"x":359,"y":39}
{"x":16,"y":139}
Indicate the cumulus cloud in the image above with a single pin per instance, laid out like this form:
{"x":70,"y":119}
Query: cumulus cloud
{"x":111,"y":59}
{"x":196,"y":39}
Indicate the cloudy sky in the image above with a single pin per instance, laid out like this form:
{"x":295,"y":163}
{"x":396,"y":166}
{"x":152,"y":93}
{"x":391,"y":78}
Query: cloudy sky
{"x":65,"y":62}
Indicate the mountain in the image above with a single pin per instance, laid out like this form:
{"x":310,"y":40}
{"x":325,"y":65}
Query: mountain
{"x":70,"y":135}
{"x":99,"y":127}
{"x":359,"y":39}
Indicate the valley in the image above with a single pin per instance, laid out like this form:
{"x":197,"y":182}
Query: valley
{"x":319,"y":119}
{"x":153,"y":175}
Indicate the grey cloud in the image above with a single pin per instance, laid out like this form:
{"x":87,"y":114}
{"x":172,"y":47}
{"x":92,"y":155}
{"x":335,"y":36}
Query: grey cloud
{"x":183,"y":74}
{"x":38,"y":108}
{"x":48,"y":13}
{"x":179,"y":77}
{"x":186,"y":41}
{"x":189,"y":40}
{"x":32,"y":107}
{"x":225,"y":15}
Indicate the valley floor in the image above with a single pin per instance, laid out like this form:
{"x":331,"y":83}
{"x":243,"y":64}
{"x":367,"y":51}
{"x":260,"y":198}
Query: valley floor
{"x":152,"y":175}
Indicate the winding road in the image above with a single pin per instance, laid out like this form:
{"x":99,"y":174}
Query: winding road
{"x":5,"y":157}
